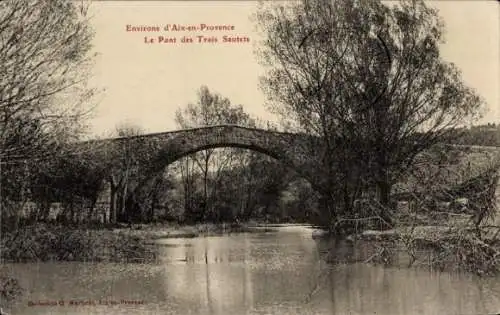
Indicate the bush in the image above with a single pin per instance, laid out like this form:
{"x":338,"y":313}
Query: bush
{"x":458,"y":249}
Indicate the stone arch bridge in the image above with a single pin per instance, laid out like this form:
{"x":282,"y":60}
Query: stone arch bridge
{"x":295,"y":150}
{"x":161,"y":149}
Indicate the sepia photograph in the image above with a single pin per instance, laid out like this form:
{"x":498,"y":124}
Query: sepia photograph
{"x":250,"y":157}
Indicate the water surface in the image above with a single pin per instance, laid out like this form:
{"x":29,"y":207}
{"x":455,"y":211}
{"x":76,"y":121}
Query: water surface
{"x":278,"y":272}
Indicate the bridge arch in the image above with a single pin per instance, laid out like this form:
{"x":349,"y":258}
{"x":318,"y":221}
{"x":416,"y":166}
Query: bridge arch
{"x":288,"y":148}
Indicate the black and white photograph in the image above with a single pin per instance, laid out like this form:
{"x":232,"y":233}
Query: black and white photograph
{"x":250,"y":157}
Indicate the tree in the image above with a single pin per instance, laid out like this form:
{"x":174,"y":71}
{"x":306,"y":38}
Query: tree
{"x":125,"y":160}
{"x":368,"y":80}
{"x":44,"y":59}
{"x":74,"y":178}
{"x":188,"y":179}
{"x":267,"y":178}
{"x":44,"y":54}
{"x":210,"y":109}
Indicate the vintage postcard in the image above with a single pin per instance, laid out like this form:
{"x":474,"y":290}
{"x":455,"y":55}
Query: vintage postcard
{"x":249,"y":157}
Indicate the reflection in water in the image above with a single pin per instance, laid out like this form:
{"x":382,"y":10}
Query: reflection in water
{"x":262,"y":273}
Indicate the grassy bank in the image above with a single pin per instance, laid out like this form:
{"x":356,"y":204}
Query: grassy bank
{"x":42,"y":242}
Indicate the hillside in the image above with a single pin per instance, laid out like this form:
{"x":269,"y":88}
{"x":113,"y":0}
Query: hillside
{"x":487,"y":135}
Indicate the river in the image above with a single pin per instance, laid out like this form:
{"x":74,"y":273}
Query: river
{"x":278,"y":272}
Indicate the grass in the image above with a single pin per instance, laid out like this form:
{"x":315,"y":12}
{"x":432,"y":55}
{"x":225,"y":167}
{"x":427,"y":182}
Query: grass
{"x":42,"y":242}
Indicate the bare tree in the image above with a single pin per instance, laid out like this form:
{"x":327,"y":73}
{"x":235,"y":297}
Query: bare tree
{"x":367,"y":79}
{"x":212,"y":109}
{"x":44,"y":64}
{"x":125,"y":160}
{"x":44,"y":55}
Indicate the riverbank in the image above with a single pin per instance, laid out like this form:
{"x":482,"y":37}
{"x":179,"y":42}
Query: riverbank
{"x":158,"y":231}
{"x":453,"y":247}
{"x":45,"y":242}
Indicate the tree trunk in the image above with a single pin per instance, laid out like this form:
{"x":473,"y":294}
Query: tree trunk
{"x":248,"y":204}
{"x":384,"y":186}
{"x":383,"y":196}
{"x":72,"y":210}
{"x":207,"y":209}
{"x":153,"y":204}
{"x":113,"y":215}
{"x":44,"y":212}
{"x":327,"y":213}
{"x":123,"y":203}
{"x":92,"y":208}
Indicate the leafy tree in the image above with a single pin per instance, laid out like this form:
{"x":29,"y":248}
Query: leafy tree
{"x":264,"y":180}
{"x":74,"y":178}
{"x":368,"y":80}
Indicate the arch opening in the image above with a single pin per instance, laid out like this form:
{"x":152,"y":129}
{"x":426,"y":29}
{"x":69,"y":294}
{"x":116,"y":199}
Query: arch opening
{"x":165,"y":159}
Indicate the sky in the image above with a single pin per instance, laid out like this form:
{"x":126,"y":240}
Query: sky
{"x":145,"y":83}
